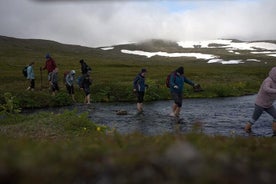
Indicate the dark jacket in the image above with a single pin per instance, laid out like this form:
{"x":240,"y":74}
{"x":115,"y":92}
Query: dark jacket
{"x":86,"y":81}
{"x":85,"y":68}
{"x":139,"y":83}
{"x":178,"y":80}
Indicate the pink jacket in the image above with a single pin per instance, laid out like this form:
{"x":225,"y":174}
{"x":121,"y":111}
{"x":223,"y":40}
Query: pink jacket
{"x":267,"y":91}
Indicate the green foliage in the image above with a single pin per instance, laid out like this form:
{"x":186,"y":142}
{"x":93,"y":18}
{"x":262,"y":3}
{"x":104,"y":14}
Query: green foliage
{"x":61,"y":99}
{"x":113,"y":72}
{"x":70,"y":145}
{"x":49,"y":125}
{"x":10,"y":105}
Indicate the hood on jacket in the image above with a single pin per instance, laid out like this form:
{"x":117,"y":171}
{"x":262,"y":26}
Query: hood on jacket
{"x":272,"y":74}
{"x":72,"y":72}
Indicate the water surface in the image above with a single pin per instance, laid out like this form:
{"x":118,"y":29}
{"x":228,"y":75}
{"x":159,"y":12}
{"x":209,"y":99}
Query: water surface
{"x":218,"y":116}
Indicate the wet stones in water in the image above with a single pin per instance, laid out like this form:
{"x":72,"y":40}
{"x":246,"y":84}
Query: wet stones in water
{"x":121,"y":112}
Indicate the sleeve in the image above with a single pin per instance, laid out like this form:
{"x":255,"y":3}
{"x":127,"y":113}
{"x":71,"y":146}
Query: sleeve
{"x":186,"y":80}
{"x":29,"y":72}
{"x":172,"y":79}
{"x":51,"y":77}
{"x":135,"y":82}
{"x":67,"y":80}
{"x":267,"y":87}
{"x":54,"y":63}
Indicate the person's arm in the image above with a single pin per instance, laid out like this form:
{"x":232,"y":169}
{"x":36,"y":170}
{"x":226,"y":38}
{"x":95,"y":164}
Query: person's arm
{"x":29,"y":72}
{"x":188,"y":81}
{"x":267,"y":87}
{"x":135,"y":83}
{"x":68,"y":80}
{"x":172,"y":81}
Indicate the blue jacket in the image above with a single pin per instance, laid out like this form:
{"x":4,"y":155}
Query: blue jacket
{"x":178,"y":80}
{"x":30,"y":72}
{"x":139,"y":83}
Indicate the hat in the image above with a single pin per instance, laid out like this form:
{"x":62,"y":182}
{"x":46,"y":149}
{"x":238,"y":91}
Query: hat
{"x":180,"y":70}
{"x":143,"y":70}
{"x":47,"y":56}
{"x":81,"y":61}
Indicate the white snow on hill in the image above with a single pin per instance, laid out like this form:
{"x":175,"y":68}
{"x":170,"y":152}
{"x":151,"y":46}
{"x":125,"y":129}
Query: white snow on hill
{"x":266,"y":48}
{"x":165,"y":54}
{"x":228,"y":44}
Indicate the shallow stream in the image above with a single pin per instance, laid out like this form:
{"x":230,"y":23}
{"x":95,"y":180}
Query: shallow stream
{"x":218,"y":116}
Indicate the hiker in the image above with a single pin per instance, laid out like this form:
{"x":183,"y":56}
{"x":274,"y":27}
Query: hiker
{"x":264,"y":101}
{"x":84,"y":67}
{"x":50,"y":65}
{"x":139,"y":88}
{"x":176,"y":84}
{"x":54,"y":81}
{"x":69,"y":82}
{"x":85,"y":85}
{"x":31,"y":76}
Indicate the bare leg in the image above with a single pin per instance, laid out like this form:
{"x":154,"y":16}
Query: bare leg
{"x":140,"y":107}
{"x":73,"y":98}
{"x":177,"y":111}
{"x":88,"y":99}
{"x":274,"y":127}
{"x":174,"y":110}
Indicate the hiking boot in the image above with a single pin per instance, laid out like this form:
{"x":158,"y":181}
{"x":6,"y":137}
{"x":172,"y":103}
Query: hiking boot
{"x":274,"y":128}
{"x":247,"y":127}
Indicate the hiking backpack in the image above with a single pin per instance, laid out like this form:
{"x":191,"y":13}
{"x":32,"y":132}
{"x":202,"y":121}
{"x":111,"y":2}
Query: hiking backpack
{"x":168,"y":79}
{"x":24,"y":71}
{"x":64,"y":76}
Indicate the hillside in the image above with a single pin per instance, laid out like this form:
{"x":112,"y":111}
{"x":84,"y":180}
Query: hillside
{"x":242,"y":64}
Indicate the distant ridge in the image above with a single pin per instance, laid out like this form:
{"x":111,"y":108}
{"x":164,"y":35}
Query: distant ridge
{"x":39,"y":45}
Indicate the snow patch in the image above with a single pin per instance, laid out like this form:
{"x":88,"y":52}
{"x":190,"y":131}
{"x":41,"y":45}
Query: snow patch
{"x":165,"y":54}
{"x":228,"y":44}
{"x":107,"y":48}
{"x":255,"y":60}
{"x":224,"y":62}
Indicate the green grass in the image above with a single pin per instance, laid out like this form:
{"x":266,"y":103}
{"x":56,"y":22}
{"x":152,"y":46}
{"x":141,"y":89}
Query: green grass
{"x":68,"y":148}
{"x":113,"y":71}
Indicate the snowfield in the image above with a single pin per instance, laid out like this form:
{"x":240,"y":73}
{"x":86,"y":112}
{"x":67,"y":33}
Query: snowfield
{"x":165,"y":54}
{"x":266,"y":48}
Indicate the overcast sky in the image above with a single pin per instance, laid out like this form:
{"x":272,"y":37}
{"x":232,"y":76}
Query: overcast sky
{"x":110,"y":22}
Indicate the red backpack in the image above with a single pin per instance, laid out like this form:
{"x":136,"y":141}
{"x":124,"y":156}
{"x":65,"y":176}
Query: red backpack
{"x":168,"y":79}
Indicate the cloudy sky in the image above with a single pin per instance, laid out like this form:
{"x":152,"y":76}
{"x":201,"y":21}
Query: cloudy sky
{"x":97,"y":23}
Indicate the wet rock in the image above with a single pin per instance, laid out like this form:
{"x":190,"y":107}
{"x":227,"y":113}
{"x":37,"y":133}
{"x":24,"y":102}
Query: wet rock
{"x":121,"y":112}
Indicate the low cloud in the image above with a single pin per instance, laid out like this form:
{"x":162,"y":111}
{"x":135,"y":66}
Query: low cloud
{"x":103,"y":23}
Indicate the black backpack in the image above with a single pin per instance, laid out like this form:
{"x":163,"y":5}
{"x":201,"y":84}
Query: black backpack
{"x":24,"y":71}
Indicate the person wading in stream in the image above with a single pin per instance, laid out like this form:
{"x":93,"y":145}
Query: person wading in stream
{"x":139,"y":88}
{"x":176,"y":85}
{"x":264,"y":101}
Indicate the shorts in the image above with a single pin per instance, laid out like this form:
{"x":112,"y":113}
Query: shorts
{"x":177,"y":98}
{"x":86,"y":91}
{"x":70,"y":89}
{"x":55,"y":87}
{"x":140,"y":96}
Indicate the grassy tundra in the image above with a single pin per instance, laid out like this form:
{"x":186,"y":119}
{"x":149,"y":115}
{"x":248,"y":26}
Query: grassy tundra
{"x":114,"y":71}
{"x":68,"y":148}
